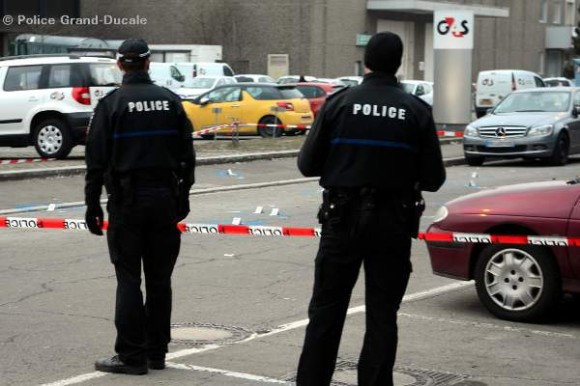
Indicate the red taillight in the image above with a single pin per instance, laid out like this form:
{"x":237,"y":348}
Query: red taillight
{"x":286,"y":105}
{"x":82,"y":95}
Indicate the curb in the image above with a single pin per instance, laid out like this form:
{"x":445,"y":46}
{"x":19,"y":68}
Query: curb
{"x":214,"y":160}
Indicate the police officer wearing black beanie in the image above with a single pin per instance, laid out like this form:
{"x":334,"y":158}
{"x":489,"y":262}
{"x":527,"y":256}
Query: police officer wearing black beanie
{"x":140,"y":147}
{"x":375,"y":148}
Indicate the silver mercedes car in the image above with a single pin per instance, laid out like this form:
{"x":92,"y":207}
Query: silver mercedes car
{"x":541,"y":123}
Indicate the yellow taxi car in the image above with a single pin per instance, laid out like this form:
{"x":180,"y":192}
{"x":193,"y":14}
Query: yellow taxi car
{"x":264,"y":109}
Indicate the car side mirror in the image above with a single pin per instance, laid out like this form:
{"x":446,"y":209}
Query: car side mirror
{"x":576,"y":111}
{"x":420,"y":91}
{"x":203,"y":101}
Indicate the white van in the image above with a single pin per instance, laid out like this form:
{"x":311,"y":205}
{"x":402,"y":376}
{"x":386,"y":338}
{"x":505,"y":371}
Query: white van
{"x":166,"y":75}
{"x":191,"y":70}
{"x":493,"y":86}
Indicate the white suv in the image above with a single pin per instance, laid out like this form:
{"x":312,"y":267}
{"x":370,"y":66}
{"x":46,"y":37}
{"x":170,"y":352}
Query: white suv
{"x":47,"y":100}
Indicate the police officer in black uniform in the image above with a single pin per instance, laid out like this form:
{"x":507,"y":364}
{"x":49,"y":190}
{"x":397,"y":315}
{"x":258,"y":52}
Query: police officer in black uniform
{"x":375,"y":149}
{"x":140,"y":148}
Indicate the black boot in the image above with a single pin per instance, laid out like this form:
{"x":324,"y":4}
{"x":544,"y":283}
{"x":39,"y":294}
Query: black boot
{"x":117,"y":366}
{"x":156,"y":363}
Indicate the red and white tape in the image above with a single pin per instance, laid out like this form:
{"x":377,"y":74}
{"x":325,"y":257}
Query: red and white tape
{"x":443,"y":133}
{"x":230,"y":126}
{"x":24,"y":160}
{"x":440,"y":133}
{"x":276,"y":231}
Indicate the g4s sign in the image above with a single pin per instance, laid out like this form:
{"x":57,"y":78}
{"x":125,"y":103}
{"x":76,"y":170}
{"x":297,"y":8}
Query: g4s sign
{"x":458,"y":29}
{"x":453,"y":30}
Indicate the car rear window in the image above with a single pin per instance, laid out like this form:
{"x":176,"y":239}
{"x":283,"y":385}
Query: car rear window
{"x":290,"y":93}
{"x":311,"y":91}
{"x":244,"y":79}
{"x":105,"y":74}
{"x":271,"y":93}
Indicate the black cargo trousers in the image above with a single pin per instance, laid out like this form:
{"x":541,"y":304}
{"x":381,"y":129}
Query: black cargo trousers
{"x":357,"y":228}
{"x":143,"y":229}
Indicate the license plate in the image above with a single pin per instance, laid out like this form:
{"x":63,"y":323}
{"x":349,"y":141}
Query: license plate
{"x":499,"y":144}
{"x":485,"y":102}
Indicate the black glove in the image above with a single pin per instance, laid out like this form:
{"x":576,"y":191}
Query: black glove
{"x":94,"y":218}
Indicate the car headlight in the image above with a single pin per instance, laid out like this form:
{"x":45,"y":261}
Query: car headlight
{"x":470,"y":131}
{"x":541,"y":131}
{"x":441,"y":214}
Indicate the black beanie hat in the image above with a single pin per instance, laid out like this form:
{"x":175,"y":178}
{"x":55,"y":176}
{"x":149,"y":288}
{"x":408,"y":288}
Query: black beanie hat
{"x":383,"y":52}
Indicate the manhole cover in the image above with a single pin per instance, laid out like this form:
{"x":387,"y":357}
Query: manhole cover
{"x":346,"y":375}
{"x":198,"y":334}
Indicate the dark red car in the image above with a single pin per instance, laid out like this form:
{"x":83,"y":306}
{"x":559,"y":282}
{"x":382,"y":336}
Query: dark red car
{"x":514,"y":281}
{"x":316,"y":93}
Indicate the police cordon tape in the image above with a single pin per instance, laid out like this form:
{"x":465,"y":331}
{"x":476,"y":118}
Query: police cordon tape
{"x":24,"y":160}
{"x":444,"y":133}
{"x":277,"y":231}
{"x":209,"y":130}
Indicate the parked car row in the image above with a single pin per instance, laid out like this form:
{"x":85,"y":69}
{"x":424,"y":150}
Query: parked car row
{"x":259,"y":108}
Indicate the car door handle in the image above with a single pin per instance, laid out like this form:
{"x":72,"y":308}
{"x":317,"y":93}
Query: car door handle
{"x":235,"y":105}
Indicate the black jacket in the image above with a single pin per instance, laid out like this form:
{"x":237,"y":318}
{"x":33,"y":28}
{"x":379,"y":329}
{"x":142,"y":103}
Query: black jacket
{"x":374,"y":135}
{"x":139,"y":127}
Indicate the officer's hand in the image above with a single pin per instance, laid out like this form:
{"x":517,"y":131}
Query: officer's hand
{"x":94,"y":218}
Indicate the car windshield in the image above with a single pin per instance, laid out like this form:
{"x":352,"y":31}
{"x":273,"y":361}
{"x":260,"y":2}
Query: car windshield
{"x":200,"y":82}
{"x":534,"y":102}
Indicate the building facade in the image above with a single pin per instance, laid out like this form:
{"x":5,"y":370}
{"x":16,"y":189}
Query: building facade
{"x":323,"y":38}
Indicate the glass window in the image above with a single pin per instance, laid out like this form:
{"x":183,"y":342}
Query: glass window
{"x":265,"y":93}
{"x":225,"y":94}
{"x":201,"y":82}
{"x":105,"y":74}
{"x":59,"y":76}
{"x":539,"y":82}
{"x":577,"y":99}
{"x":557,"y":17}
{"x":534,"y":102}
{"x":176,"y":74}
{"x":311,"y":91}
{"x":244,"y":79}
{"x":228,"y":71}
{"x":266,"y":79}
{"x":570,"y":12}
{"x":23,"y":78}
{"x":543,"y":11}
{"x":408,"y":87}
{"x":290,"y":93}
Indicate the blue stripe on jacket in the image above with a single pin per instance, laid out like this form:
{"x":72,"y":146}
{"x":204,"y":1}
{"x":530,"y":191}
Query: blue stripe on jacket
{"x":148,"y":133}
{"x":372,"y":142}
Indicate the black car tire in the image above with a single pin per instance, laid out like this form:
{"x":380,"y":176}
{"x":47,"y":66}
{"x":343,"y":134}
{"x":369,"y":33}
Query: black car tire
{"x":518,"y":283}
{"x":561,"y":151}
{"x":474,"y":161}
{"x":52,"y":139}
{"x":266,"y":132}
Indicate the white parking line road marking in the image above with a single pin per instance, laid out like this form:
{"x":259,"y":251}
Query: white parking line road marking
{"x":227,"y":373}
{"x":283,"y":328}
{"x":490,"y":326}
{"x":77,"y":379}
